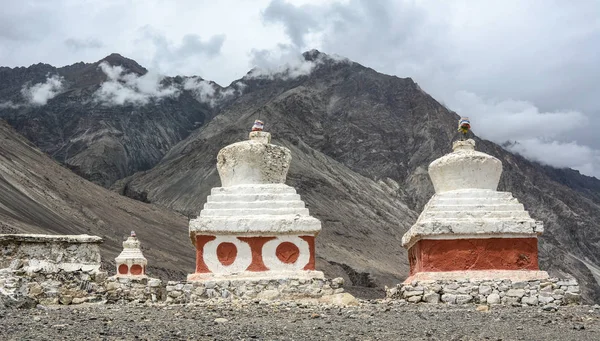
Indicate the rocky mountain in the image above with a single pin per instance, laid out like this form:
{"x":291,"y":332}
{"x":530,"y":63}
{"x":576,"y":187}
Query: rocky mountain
{"x":40,"y":196}
{"x":361,"y":143}
{"x":103,"y":120}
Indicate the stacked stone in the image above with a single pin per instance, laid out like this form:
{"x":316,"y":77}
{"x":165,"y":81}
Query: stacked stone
{"x":58,"y":287}
{"x":51,"y":269}
{"x":254,"y":228}
{"x":189,"y":292}
{"x":136,"y":290}
{"x":551,"y":292}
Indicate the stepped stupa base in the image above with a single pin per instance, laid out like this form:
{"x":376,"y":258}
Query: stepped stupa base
{"x":492,"y":275}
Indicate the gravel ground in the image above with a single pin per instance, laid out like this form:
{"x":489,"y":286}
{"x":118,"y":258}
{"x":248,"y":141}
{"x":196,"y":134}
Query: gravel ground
{"x":298,"y":321}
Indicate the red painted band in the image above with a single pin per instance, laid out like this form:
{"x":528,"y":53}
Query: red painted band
{"x":473,"y":254}
{"x":311,"y":249}
{"x":256,"y":246}
{"x":200,"y":242}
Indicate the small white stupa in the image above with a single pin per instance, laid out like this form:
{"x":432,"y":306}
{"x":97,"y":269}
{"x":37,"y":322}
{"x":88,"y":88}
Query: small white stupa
{"x":468,"y":229}
{"x":131,"y":262}
{"x":255,"y":226}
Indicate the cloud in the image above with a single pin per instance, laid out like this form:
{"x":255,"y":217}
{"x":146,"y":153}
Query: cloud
{"x":41,"y":93}
{"x":122,"y":88}
{"x":170,"y":55}
{"x":286,"y":62}
{"x":559,"y":154}
{"x":82,"y":44}
{"x":209,"y":93}
{"x":10,"y":105}
{"x":501,"y":120}
{"x":523,"y":51}
{"x":298,"y":21}
{"x":523,"y":128}
{"x":516,"y":68}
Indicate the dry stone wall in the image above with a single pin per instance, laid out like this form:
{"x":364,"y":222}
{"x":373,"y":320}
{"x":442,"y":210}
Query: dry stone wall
{"x":49,"y":269}
{"x":549,"y":293}
{"x":188,"y":292}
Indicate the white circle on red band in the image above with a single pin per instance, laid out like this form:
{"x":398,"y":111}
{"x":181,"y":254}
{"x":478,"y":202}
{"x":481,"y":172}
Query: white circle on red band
{"x":269,"y":254}
{"x":242,"y":260}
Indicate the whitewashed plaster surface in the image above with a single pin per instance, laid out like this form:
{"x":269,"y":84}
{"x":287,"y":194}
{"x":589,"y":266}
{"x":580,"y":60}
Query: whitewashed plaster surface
{"x":244,"y":256}
{"x":253,"y":162}
{"x":466,"y":203}
{"x":131,"y":254}
{"x":465,"y":168}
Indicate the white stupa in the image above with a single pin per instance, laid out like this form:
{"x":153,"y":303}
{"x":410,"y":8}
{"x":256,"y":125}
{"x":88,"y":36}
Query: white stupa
{"x":131,"y":262}
{"x":254,"y":226}
{"x":468,"y":229}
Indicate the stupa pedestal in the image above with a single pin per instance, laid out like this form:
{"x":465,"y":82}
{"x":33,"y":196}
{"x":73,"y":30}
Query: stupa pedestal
{"x":255,"y":226}
{"x":470,"y":230}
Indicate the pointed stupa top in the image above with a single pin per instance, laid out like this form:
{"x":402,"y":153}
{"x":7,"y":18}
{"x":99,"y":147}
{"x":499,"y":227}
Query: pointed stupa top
{"x":465,"y":168}
{"x":255,"y":161}
{"x":466,"y":202}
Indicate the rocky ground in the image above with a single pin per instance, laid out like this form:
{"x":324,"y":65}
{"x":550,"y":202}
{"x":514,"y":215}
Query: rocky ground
{"x":261,"y":320}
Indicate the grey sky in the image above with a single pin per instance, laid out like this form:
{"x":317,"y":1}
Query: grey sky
{"x":522,"y":70}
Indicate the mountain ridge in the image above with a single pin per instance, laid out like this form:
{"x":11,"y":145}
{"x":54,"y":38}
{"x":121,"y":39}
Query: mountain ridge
{"x":125,"y":138}
{"x":361,"y":143}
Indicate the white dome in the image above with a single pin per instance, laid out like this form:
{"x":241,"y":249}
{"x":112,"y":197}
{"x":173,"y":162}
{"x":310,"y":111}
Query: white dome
{"x":465,"y":168}
{"x":253,"y":162}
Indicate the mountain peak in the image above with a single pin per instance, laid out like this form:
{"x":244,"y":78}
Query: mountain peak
{"x":313,"y":55}
{"x":115,"y":59}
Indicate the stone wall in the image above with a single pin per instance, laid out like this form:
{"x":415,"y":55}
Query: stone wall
{"x":49,"y":269}
{"x":549,"y":293}
{"x":124,"y":290}
{"x":187,"y":292}
{"x":50,"y":253}
{"x":57,"y":287}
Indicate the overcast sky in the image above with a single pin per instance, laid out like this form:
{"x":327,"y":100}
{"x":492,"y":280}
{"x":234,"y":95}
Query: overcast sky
{"x":522,"y":70}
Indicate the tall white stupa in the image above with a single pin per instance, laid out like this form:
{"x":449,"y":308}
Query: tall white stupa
{"x":470,"y":230}
{"x":254,"y":226}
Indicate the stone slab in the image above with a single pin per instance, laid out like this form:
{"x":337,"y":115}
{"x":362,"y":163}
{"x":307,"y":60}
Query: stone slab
{"x":50,"y":238}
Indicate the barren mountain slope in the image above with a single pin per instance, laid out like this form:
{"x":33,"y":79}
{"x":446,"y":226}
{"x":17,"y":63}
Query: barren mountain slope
{"x":99,"y":141}
{"x":37,"y":195}
{"x":385,"y":129}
